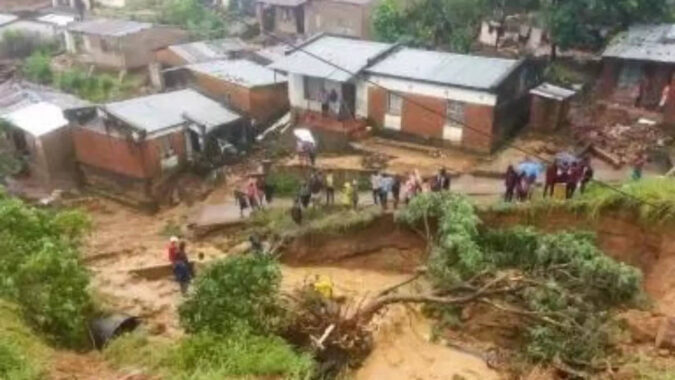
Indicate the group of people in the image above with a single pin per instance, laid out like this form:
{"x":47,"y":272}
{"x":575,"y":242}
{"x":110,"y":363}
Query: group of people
{"x":182,"y":269}
{"x":257,"y":192}
{"x":564,"y":175}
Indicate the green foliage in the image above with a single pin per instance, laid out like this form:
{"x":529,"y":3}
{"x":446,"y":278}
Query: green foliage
{"x":19,"y":44}
{"x":206,"y":356}
{"x":201,"y":22}
{"x":37,"y":67}
{"x":451,"y":24}
{"x":22,"y":355}
{"x":569,"y":280}
{"x":285,"y":184}
{"x":580,"y":23}
{"x":40,"y":269}
{"x":235,"y":294}
{"x":94,"y":87}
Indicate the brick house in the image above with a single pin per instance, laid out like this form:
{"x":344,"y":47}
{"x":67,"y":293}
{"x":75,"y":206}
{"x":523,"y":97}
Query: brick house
{"x":310,"y":79}
{"x":245,"y":86}
{"x":468,"y":101}
{"x":137,"y":145}
{"x":40,"y":118}
{"x":296,"y":17}
{"x":435,"y":97}
{"x":119,"y":44}
{"x":637,"y":65}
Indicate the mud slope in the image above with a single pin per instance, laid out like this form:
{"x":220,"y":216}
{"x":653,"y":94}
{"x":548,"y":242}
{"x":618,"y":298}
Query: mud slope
{"x":652,"y":249}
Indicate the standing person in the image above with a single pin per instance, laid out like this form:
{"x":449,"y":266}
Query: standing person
{"x":573,"y":178}
{"x":240,"y":198}
{"x":296,"y":211}
{"x":252,"y":193}
{"x":181,"y":268}
{"x":172,"y":249}
{"x":586,"y":177}
{"x":550,"y":180}
{"x":330,"y":189}
{"x":324,"y":102}
{"x":315,"y":187}
{"x":376,"y":185}
{"x":305,"y":194}
{"x":443,"y":180}
{"x":638,"y":165}
{"x":510,"y":182}
{"x":347,"y":194}
{"x":355,"y":194}
{"x":268,"y":189}
{"x":387,"y":182}
{"x":521,"y":187}
{"x":311,"y":153}
{"x":396,"y":190}
{"x":300,"y":149}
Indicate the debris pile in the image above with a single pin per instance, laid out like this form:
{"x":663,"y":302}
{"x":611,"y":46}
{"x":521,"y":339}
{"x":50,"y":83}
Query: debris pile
{"x":619,"y":135}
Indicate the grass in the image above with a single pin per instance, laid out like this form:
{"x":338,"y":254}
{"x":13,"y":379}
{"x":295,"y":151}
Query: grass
{"x":650,"y":201}
{"x":329,"y":220}
{"x":207,"y":356}
{"x":22,"y":353}
{"x":644,"y":368}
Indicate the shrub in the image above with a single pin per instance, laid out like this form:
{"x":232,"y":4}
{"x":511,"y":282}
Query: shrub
{"x":233,"y":294}
{"x":22,"y":355}
{"x":19,"y":44}
{"x":40,"y":269}
{"x":37,"y":67}
{"x":208,"y":356}
{"x":285,"y":184}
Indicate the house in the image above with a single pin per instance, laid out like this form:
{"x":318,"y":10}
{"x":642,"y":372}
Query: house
{"x":442,"y":98}
{"x":469,"y":101}
{"x":550,"y":106}
{"x":40,"y":119}
{"x":76,"y":5}
{"x":38,"y":26}
{"x":136,"y":146}
{"x":245,"y":86}
{"x":202,"y":51}
{"x":119,"y":44}
{"x":330,"y":66}
{"x":341,"y":17}
{"x":281,"y":16}
{"x":637,"y":65}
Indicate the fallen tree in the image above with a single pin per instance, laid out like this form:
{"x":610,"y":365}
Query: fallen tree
{"x":561,"y":288}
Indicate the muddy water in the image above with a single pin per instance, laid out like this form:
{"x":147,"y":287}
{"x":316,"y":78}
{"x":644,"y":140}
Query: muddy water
{"x":402,"y":347}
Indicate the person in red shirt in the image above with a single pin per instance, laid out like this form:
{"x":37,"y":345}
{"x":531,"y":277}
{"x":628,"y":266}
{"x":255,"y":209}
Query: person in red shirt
{"x":173,"y":249}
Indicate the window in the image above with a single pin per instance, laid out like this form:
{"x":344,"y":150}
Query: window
{"x":630,"y":75}
{"x":455,"y":113}
{"x":394,"y":104}
{"x":165,"y":146}
{"x":313,"y":88}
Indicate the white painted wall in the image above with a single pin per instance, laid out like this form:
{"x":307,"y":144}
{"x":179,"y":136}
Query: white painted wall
{"x":112,"y":3}
{"x":436,"y":91}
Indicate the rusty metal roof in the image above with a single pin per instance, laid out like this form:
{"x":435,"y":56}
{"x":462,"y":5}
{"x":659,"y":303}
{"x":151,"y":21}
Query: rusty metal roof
{"x":15,"y":95}
{"x":109,"y":27}
{"x":202,"y":51}
{"x":654,"y":43}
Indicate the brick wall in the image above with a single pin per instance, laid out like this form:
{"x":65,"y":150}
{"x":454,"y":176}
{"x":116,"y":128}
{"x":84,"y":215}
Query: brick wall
{"x":261,"y":103}
{"x":608,"y":77}
{"x":423,"y":116}
{"x":169,"y":58}
{"x":478,"y":135}
{"x":121,"y":156}
{"x":377,"y":105}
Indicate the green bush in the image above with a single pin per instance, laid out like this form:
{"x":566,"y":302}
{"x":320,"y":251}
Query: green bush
{"x":285,"y":184}
{"x":37,"y":68}
{"x":234,"y":294}
{"x":40,"y":269}
{"x":18,"y":44}
{"x":22,"y":354}
{"x":201,"y":22}
{"x":208,"y":356}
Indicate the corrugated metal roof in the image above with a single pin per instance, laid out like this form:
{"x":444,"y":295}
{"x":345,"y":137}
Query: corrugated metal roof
{"x":109,"y":27}
{"x":57,"y":19}
{"x":283,"y":3}
{"x":350,"y":55}
{"x":445,"y":68}
{"x":6,"y":18}
{"x":202,"y":51}
{"x":242,"y":72}
{"x":551,"y":91}
{"x":644,"y":43}
{"x":15,"y":95}
{"x":157,"y":112}
{"x":38,"y":119}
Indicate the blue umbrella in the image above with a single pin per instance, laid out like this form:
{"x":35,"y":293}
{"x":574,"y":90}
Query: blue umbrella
{"x":529,"y":168}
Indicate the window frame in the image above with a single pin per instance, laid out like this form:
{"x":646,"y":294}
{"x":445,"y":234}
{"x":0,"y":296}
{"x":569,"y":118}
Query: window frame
{"x":398,"y":110}
{"x":455,"y":117}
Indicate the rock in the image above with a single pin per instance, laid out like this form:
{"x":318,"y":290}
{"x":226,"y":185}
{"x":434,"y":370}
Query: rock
{"x":665,"y":337}
{"x":157,"y":329}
